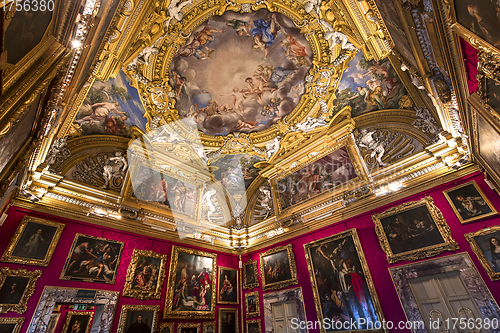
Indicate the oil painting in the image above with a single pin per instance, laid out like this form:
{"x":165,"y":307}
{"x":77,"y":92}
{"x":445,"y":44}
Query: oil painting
{"x":228,"y":320}
{"x":145,"y":275}
{"x":327,"y":173}
{"x":252,"y":304}
{"x":11,"y":325}
{"x":486,"y":245}
{"x":166,"y":328}
{"x":487,"y":142}
{"x":481,"y":18}
{"x":236,"y":172}
{"x":277,"y":268}
{"x":16,"y":287}
{"x":111,"y":107}
{"x":228,"y":286}
{"x":188,"y":328}
{"x":78,"y":322}
{"x":369,"y":85}
{"x":493,"y":94}
{"x":251,"y":272}
{"x":240,"y":72}
{"x":342,"y":286}
{"x":138,"y":319}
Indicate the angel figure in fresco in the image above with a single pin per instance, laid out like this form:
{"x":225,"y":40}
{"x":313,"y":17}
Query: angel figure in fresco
{"x":239,"y":97}
{"x":180,"y":195}
{"x":246,"y":124}
{"x":242,"y":28}
{"x":264,"y":33}
{"x":100,"y":112}
{"x":198,"y":46}
{"x":383,"y":71}
{"x":295,"y":51}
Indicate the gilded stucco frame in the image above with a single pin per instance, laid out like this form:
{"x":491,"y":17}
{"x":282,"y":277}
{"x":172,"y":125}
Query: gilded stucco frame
{"x":366,"y":272}
{"x":253,"y":321}
{"x":220,"y":269}
{"x":494,"y":276}
{"x":168,"y":312}
{"x":144,"y":294}
{"x":293,"y":268}
{"x":257,"y":305}
{"x":449,"y":243}
{"x":180,"y":326}
{"x":17,"y":320}
{"x":71,"y":314}
{"x":124,"y":314}
{"x":236,"y":318}
{"x":8,"y":254}
{"x":162,"y":326}
{"x":481,"y":193}
{"x":207,"y":324}
{"x":254,"y":263}
{"x":33,"y":276}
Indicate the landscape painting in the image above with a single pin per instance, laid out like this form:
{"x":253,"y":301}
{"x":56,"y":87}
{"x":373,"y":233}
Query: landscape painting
{"x":369,"y":86}
{"x":111,"y":108}
{"x":240,"y":72}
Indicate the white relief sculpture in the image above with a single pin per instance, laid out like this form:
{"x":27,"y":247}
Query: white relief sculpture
{"x":310,"y":124}
{"x":426,"y":123}
{"x":377,"y":146}
{"x":313,"y":5}
{"x":174,"y":10}
{"x":337,"y":37}
{"x":208,"y":201}
{"x":272,"y":147}
{"x":58,"y":151}
{"x":143,"y":57}
{"x":266,"y":200}
{"x":115,"y":167}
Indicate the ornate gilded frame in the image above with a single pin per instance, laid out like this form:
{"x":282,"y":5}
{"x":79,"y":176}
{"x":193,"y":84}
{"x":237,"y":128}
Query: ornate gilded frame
{"x":17,"y":320}
{"x":68,"y":260}
{"x":488,"y":68}
{"x":54,"y":320}
{"x":253,"y":321}
{"x":8,"y":254}
{"x":225,"y":310}
{"x":180,"y":326}
{"x":257,"y":305}
{"x":220,"y":269}
{"x":293,"y":268}
{"x":27,"y":292}
{"x":481,"y":193}
{"x":429,"y":251}
{"x":71,"y":314}
{"x":168,"y":312}
{"x":366,"y":272}
{"x":207,"y":324}
{"x":494,"y":276}
{"x":162,"y":326}
{"x":145,"y":294}
{"x":127,"y":308}
{"x":255,"y":272}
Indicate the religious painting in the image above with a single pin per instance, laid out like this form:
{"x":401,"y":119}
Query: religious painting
{"x":486,"y":245}
{"x":16,"y":287}
{"x":53,"y":321}
{"x":469,"y":203}
{"x":158,"y":187}
{"x":254,"y":326}
{"x":369,"y":85}
{"x":191,"y":284}
{"x":228,"y":286}
{"x":252,"y":305}
{"x":111,"y":107}
{"x":251,"y":271}
{"x":328,"y":173}
{"x":486,"y":138}
{"x":92,"y":259}
{"x":413,"y":230}
{"x":145,"y":275}
{"x":274,"y":302}
{"x":277,"y":268}
{"x":78,"y":322}
{"x":235,"y":172}
{"x":342,"y":285}
{"x":493,"y":94}
{"x":209,"y":327}
{"x":138,"y":319}
{"x":34,"y":242}
{"x":188,"y":328}
{"x":228,"y":320}
{"x":240,"y":72}
{"x":11,"y":325}
{"x":480,"y":17}
{"x":166,"y":328}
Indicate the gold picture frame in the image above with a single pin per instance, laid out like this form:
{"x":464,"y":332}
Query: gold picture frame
{"x":402,"y":238}
{"x":207,"y":324}
{"x":228,"y":290}
{"x":163,"y":326}
{"x":54,"y":320}
{"x":33,"y":243}
{"x":481,"y":240}
{"x":16,"y":300}
{"x":151,"y":289}
{"x":223,"y":320}
{"x":18,"y":321}
{"x":126,"y":309}
{"x":473,"y":189}
{"x":348,"y":239}
{"x":290,"y":258}
{"x":174,"y":310}
{"x":247,"y":280}
{"x":251,"y":314}
{"x":250,"y":323}
{"x":180,"y":326}
{"x":70,"y":316}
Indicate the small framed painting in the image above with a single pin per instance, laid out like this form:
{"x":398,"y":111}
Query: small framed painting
{"x":16,"y":287}
{"x":277,"y":268}
{"x":166,"y":328}
{"x":145,"y":275}
{"x":228,"y":320}
{"x":188,"y":328}
{"x":252,"y":305}
{"x":486,"y":245}
{"x":78,"y":321}
{"x":11,"y":325}
{"x":469,"y":203}
{"x":254,"y":326}
{"x":251,"y":272}
{"x":227,"y":287}
{"x":138,"y":318}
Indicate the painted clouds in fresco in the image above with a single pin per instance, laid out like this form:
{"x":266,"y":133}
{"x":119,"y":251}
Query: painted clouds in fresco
{"x":240,"y":72}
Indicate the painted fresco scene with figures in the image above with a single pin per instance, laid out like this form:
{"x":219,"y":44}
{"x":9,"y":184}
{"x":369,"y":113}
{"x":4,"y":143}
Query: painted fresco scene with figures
{"x":240,"y":72}
{"x":236,"y":172}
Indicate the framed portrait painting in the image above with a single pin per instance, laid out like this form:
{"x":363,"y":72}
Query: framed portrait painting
{"x":188,"y":328}
{"x":228,"y":320}
{"x":227,"y":286}
{"x":92,"y":259}
{"x":11,"y":325}
{"x":78,"y":321}
{"x":254,"y":326}
{"x":413,"y":230}
{"x":191,"y":288}
{"x":251,"y":272}
{"x":145,"y":275}
{"x":166,"y":328}
{"x":16,"y":287}
{"x":342,"y":285}
{"x":469,"y":203}
{"x":138,"y":318}
{"x":34,"y":242}
{"x":252,"y":305}
{"x":277,"y":268}
{"x":486,"y":245}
